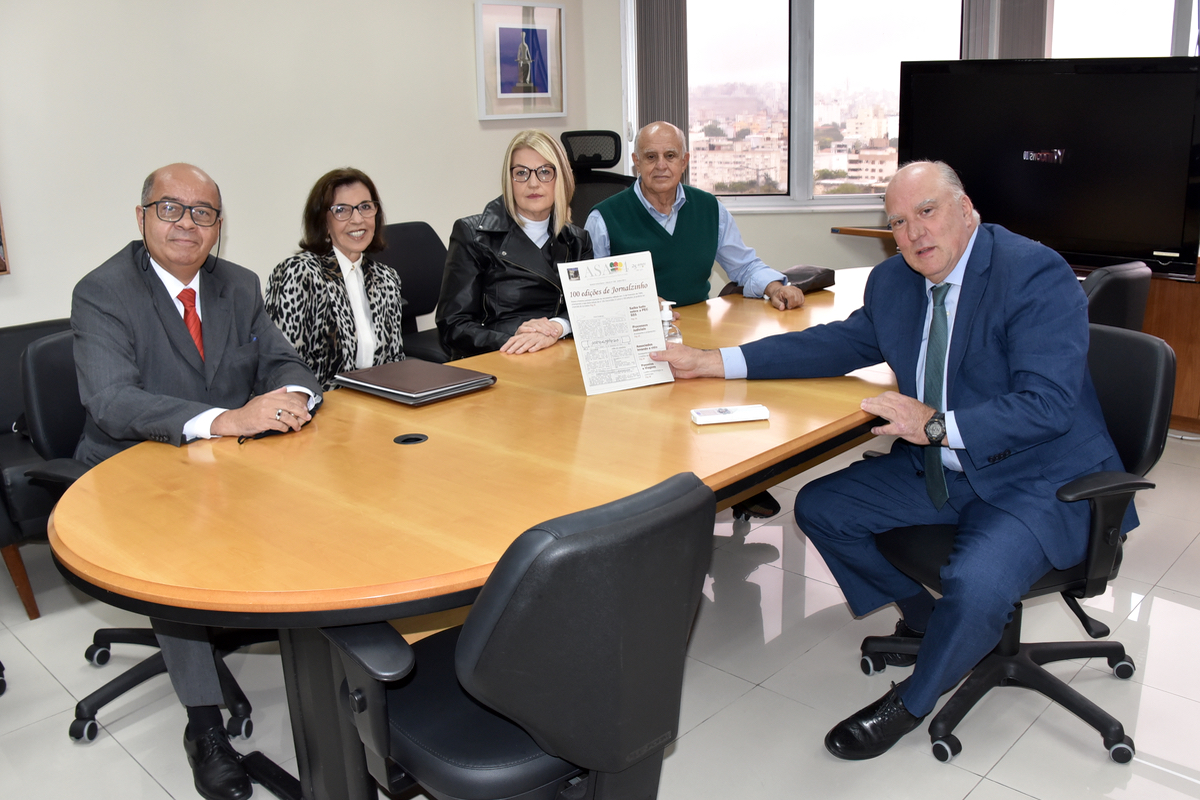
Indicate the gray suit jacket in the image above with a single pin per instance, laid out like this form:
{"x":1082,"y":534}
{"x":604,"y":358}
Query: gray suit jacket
{"x":140,"y":375}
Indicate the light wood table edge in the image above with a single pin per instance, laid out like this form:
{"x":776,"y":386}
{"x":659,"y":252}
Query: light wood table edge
{"x":202,"y":599}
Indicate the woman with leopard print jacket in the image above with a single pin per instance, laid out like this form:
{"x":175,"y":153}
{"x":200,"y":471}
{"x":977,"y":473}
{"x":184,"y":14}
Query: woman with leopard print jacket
{"x":339,"y":308}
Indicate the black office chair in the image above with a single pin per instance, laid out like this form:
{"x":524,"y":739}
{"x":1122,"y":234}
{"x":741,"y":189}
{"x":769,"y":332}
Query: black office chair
{"x":591,"y":154}
{"x":569,"y":666}
{"x":1117,"y":295}
{"x":24,"y":505}
{"x":1134,"y":375}
{"x":417,"y":254}
{"x":55,"y":418}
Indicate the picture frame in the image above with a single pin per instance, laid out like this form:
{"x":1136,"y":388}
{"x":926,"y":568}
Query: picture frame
{"x":519,"y":55}
{"x":3,"y":248}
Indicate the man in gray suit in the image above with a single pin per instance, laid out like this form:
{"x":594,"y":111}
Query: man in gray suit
{"x":171,"y":345}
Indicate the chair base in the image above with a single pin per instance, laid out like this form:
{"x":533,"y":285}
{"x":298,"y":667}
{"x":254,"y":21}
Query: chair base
{"x":1013,"y":663}
{"x":760,"y":506}
{"x":84,"y":727}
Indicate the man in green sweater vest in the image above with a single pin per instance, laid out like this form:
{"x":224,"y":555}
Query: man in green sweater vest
{"x":685,"y":229}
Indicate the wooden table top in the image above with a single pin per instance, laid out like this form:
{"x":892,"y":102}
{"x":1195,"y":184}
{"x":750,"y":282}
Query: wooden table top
{"x":338,"y":516}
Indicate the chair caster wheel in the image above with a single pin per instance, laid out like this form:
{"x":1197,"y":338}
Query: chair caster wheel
{"x":239,"y":727}
{"x":1124,"y":668}
{"x":97,"y":654}
{"x":1122,"y":752}
{"x":872,"y":663}
{"x":84,"y":730}
{"x":946,"y":748}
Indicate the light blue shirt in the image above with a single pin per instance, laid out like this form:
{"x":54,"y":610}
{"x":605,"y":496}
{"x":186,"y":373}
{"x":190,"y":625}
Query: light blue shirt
{"x":741,"y":263}
{"x":735,"y":362}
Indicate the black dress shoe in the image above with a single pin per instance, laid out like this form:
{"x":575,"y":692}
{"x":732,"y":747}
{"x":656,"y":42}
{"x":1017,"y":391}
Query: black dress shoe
{"x":873,"y":730}
{"x":902,"y":659}
{"x":215,"y":766}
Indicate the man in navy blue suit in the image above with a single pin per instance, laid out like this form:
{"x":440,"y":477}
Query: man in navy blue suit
{"x":1020,"y":418}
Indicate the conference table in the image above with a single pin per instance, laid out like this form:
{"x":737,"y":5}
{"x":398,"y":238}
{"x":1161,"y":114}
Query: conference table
{"x":346,"y":521}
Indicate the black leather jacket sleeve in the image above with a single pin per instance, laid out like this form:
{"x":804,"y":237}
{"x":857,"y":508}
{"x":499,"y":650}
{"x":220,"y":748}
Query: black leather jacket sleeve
{"x":496,"y":278}
{"x":460,"y":310}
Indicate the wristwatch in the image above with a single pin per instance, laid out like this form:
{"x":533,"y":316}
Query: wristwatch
{"x":935,"y":428}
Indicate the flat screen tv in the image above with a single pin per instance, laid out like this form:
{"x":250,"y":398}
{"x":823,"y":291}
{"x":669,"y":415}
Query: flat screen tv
{"x":1098,"y":159}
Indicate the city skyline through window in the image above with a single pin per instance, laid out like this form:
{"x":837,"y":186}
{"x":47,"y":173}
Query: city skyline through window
{"x":741,"y":90}
{"x":738,"y":96}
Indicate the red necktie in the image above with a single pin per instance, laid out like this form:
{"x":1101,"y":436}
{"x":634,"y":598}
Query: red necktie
{"x":191,"y":318}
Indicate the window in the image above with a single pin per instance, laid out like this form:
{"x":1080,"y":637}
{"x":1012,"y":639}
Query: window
{"x":1113,"y":28}
{"x":857,"y":52}
{"x":795,"y":101}
{"x":748,"y":75}
{"x":738,"y":99}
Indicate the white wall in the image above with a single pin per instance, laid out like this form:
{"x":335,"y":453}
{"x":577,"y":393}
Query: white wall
{"x":266,"y":95}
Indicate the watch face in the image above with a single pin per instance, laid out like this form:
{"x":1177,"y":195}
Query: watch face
{"x":935,"y":430}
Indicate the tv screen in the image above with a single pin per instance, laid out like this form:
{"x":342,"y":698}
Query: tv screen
{"x":1098,"y":159}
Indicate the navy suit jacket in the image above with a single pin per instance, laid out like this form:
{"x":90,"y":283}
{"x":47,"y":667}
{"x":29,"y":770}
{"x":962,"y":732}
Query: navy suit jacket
{"x":1017,"y":377}
{"x":140,"y":375}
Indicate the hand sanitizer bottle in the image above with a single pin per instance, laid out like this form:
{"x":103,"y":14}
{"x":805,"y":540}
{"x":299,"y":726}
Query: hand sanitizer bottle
{"x":670,"y":331}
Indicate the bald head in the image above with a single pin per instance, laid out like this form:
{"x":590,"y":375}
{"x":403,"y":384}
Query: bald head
{"x":931,"y":217}
{"x":199,"y":174}
{"x":660,"y":155}
{"x":660,"y":131}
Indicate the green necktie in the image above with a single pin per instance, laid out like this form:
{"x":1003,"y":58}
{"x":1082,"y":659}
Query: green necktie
{"x":935,"y":369}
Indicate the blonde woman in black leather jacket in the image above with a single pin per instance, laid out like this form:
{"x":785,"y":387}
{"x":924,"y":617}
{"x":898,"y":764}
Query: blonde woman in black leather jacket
{"x":501,"y":289}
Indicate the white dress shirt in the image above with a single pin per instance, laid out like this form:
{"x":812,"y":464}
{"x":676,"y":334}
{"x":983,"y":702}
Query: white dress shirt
{"x":356,"y":291}
{"x":538,"y":232}
{"x":200,"y":426}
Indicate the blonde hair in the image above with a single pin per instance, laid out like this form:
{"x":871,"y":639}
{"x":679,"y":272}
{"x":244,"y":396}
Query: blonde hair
{"x":548,"y":148}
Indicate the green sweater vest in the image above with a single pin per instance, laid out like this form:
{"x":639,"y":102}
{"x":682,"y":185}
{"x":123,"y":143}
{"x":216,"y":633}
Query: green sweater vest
{"x":683,"y":260}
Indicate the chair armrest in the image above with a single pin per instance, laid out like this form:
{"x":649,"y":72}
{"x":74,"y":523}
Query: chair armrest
{"x":370,"y":657}
{"x":1109,"y":495}
{"x":1102,"y":484}
{"x":61,"y":471}
{"x":377,"y":647}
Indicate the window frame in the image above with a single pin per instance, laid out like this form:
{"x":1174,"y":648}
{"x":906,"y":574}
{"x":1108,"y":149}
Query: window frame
{"x":985,"y":33}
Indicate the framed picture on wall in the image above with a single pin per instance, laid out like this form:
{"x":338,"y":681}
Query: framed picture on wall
{"x":3,"y":248}
{"x":519,"y":51}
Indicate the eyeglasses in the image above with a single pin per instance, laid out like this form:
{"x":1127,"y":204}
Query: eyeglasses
{"x":342,"y":212}
{"x":545,"y":173}
{"x":170,"y":211}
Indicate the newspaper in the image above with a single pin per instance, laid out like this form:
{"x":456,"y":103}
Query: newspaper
{"x":613,"y":304}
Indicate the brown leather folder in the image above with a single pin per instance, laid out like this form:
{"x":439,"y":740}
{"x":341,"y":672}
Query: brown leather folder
{"x":414,"y":382}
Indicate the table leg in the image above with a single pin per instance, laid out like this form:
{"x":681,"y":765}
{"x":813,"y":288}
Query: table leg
{"x":329,"y":754}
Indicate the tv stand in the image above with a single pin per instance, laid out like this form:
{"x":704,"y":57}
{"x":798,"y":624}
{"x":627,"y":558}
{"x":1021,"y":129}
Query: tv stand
{"x":1173,"y":314}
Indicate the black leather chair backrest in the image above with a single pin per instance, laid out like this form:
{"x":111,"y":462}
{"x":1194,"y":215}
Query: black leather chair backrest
{"x":418,"y":255}
{"x":599,"y":186}
{"x":1134,"y":374}
{"x":52,"y":406}
{"x":591,"y":149}
{"x":588,"y":152}
{"x":579,"y":635}
{"x":13,"y":341}
{"x":1117,"y":295}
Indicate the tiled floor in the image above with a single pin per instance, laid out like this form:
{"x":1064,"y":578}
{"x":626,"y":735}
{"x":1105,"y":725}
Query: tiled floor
{"x":773,"y":664}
